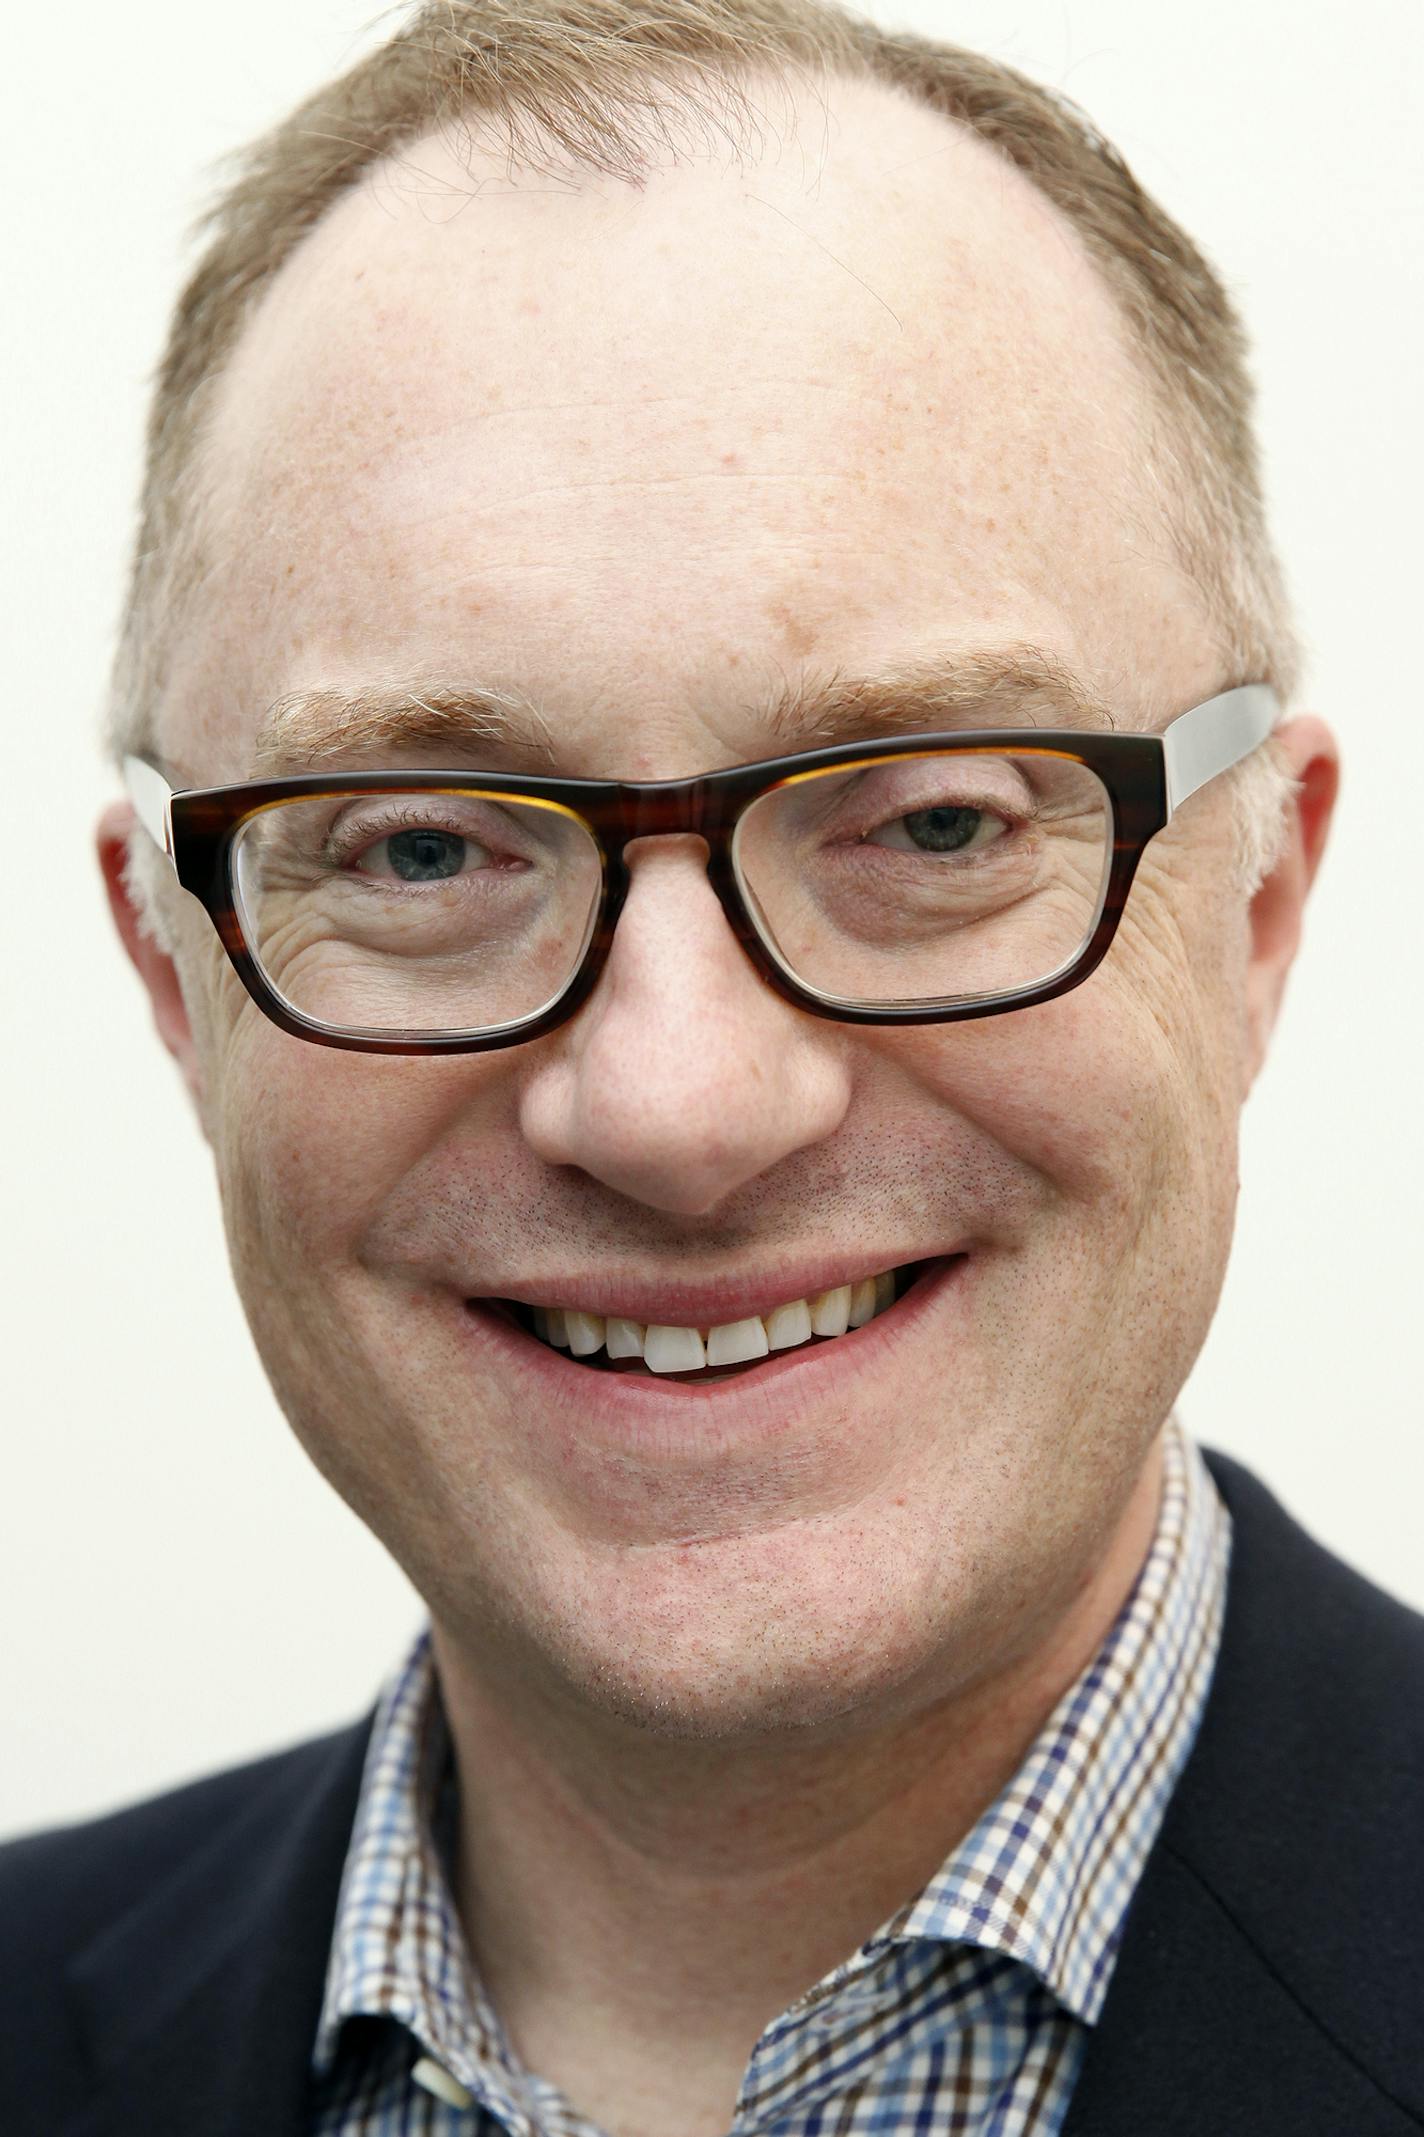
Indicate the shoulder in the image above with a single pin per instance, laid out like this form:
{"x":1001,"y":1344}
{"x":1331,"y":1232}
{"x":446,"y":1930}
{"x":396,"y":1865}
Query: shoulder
{"x":1271,"y":1970}
{"x":1338,"y":1662}
{"x":142,"y":1952}
{"x":1300,"y":1816}
{"x":1306,"y":1786}
{"x":61,"y":1887}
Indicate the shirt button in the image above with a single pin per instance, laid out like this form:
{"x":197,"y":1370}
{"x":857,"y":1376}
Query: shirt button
{"x":434,"y":2078}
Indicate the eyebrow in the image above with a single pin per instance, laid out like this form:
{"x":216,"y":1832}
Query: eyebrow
{"x":317,"y":730}
{"x":1015,"y":685}
{"x":994,"y":686}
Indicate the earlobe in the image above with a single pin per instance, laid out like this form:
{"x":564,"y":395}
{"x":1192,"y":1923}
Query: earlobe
{"x":152,"y":962}
{"x":1311,"y":759}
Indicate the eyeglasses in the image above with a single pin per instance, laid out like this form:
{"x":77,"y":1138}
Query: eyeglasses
{"x":915,"y":881}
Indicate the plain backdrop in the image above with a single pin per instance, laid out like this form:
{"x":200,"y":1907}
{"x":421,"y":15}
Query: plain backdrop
{"x":178,"y":1588}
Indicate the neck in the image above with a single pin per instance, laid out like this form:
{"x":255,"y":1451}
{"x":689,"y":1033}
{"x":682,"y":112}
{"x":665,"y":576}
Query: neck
{"x":620,"y":1887}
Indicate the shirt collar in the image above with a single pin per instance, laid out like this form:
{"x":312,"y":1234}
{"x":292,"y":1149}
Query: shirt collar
{"x":1046,"y":1875}
{"x":398,"y":1951}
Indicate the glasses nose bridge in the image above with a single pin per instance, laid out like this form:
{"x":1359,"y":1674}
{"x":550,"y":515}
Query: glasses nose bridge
{"x":666,"y":808}
{"x":705,"y":807}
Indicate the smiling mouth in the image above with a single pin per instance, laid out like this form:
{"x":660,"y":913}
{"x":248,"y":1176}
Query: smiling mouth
{"x":614,"y":1343}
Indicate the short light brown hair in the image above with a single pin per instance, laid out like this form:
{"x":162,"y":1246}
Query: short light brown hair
{"x":614,"y":84}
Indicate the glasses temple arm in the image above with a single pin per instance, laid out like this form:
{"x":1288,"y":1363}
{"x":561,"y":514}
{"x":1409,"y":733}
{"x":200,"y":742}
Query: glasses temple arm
{"x":151,"y":796}
{"x":1212,"y":737}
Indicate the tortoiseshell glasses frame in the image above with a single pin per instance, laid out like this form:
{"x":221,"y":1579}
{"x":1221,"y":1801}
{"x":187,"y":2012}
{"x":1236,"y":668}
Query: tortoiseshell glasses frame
{"x":1146,"y":778}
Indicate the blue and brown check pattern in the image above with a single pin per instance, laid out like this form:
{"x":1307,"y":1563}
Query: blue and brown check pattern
{"x":967,"y":2012}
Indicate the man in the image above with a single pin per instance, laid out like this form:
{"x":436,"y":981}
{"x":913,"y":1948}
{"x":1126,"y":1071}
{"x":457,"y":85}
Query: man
{"x":674,"y":537}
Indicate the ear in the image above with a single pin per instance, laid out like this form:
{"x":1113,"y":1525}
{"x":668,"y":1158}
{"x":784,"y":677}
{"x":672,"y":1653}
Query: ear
{"x":151,"y":961}
{"x":1311,"y":758}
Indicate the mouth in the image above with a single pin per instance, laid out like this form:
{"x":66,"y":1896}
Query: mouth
{"x":708,"y":1351}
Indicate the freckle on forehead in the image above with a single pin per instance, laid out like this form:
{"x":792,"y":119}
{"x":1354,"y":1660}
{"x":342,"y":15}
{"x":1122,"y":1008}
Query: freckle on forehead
{"x":798,"y":637}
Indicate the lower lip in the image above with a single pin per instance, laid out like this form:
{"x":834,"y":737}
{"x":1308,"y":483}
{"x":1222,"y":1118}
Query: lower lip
{"x":649,"y":1413}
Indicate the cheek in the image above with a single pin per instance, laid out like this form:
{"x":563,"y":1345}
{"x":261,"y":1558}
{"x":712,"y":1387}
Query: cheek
{"x":1069,"y":1089}
{"x":312,"y":1142}
{"x":1115,"y":1096}
{"x":1116,"y":1101}
{"x":312,"y":1145}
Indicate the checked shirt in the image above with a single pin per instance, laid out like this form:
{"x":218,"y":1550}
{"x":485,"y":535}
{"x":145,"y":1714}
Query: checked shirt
{"x":966,"y":2012}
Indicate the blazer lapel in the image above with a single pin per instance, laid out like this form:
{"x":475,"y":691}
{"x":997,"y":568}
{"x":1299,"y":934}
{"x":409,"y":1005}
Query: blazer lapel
{"x":1262,"y":1972}
{"x":199,"y":2008}
{"x":1199,"y":2035}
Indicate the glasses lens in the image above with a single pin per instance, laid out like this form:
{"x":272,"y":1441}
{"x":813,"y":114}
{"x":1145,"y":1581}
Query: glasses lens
{"x":939,"y":877}
{"x":417,"y":913}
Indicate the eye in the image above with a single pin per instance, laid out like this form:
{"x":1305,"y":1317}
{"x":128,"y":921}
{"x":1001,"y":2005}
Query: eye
{"x":420,"y":856}
{"x":947,"y":828}
{"x":405,"y":841}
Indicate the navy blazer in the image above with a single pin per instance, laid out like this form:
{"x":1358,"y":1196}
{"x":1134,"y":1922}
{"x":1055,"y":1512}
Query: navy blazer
{"x":163,"y":1967}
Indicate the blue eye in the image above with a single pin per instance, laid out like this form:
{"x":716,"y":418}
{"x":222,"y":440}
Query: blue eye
{"x":942,"y":830}
{"x":948,"y":827}
{"x":425,"y":856}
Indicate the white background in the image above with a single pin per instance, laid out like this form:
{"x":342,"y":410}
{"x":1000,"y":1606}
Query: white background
{"x":178,"y":1589}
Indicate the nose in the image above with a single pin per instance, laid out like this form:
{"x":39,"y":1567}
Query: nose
{"x":684,"y":1076}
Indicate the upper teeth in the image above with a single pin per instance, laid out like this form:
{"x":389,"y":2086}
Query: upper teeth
{"x":665,"y":1349}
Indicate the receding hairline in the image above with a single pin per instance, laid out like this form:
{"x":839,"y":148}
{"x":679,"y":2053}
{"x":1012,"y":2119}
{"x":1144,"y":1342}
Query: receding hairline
{"x":1043,"y":256}
{"x":612,"y":84}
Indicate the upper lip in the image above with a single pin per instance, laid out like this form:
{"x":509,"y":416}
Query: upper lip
{"x":675,"y":1302}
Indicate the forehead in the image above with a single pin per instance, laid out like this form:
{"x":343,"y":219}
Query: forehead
{"x":643,"y":454}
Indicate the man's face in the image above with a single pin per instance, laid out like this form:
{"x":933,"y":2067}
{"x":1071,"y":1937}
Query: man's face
{"x":646,"y":457}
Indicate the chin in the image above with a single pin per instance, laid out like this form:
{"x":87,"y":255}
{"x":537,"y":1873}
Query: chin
{"x":730,"y":1638}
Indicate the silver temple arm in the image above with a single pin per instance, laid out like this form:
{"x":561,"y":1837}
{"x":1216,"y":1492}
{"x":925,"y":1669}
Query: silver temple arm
{"x":150,"y":794}
{"x":1214,"y":736}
